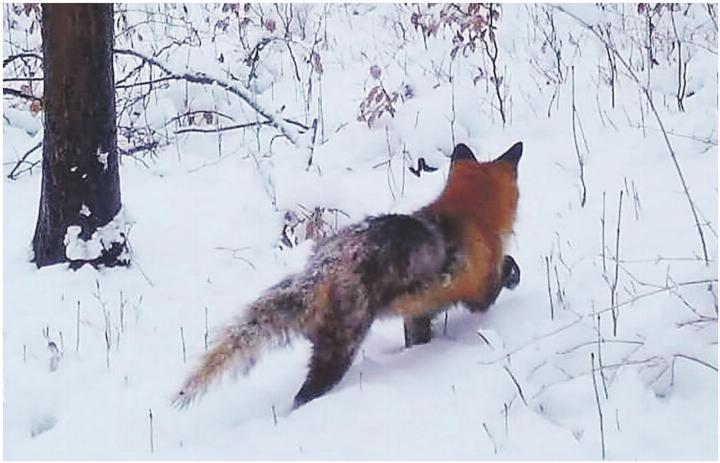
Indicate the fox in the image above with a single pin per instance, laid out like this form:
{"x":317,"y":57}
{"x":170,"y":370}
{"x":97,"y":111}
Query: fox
{"x":410,"y":265}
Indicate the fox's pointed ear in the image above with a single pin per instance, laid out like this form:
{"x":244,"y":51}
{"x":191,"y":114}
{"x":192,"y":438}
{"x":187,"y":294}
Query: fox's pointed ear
{"x":462,"y":153}
{"x":512,"y":155}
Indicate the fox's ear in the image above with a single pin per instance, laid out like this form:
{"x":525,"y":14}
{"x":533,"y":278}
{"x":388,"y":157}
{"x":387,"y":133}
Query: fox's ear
{"x":462,"y":153}
{"x":512,"y":155}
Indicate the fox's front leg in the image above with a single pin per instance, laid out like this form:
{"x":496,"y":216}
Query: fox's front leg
{"x":509,"y":278}
{"x":417,"y":329}
{"x":510,"y":273}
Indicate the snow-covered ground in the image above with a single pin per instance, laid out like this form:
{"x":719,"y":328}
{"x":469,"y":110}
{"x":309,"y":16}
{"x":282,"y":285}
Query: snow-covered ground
{"x":208,"y":212}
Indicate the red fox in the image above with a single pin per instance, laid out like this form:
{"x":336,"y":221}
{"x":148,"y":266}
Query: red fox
{"x":408,"y":265}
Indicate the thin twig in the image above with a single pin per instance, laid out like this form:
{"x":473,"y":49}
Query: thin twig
{"x":22,"y":160}
{"x":152,"y":443}
{"x":492,"y":439}
{"x":497,"y":80}
{"x":597,"y":400}
{"x":517,"y":385}
{"x":651,"y":103}
{"x":549,"y":289}
{"x":206,"y":336}
{"x":600,"y":364}
{"x":613,"y":287}
{"x":182,"y":339}
{"x":311,"y":146}
{"x":696,"y":360}
{"x":581,"y":160}
{"x":580,"y":318}
{"x":77,"y":329}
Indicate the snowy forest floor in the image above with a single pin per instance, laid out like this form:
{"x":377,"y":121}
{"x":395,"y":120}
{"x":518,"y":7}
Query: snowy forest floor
{"x":207,"y":212}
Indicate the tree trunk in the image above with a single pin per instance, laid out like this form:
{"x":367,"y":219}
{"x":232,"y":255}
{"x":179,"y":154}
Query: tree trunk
{"x":417,"y":330}
{"x":79,"y":218}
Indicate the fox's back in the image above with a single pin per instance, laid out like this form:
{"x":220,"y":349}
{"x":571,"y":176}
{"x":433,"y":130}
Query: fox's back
{"x":382,"y":258}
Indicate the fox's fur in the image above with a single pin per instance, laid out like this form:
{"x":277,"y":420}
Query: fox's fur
{"x":407,"y":265}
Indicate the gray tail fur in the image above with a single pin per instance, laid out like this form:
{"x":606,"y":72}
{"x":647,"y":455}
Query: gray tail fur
{"x":269,"y":322}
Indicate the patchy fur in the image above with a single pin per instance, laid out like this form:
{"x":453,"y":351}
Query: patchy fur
{"x":408,"y":265}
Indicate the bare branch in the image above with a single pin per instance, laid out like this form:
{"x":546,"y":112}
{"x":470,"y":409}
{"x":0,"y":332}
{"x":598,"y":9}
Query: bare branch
{"x":646,"y":92}
{"x":23,"y":159}
{"x":205,"y":79}
{"x":20,"y":94}
{"x":12,"y":58}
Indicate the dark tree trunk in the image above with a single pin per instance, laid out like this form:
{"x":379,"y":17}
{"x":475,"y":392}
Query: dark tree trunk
{"x":417,"y":330}
{"x":80,"y":194}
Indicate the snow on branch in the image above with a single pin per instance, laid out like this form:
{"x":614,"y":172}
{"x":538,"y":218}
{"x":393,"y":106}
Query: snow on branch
{"x":244,"y":94}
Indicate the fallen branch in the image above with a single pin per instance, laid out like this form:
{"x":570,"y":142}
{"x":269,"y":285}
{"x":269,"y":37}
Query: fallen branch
{"x":235,"y":127}
{"x":205,"y":79}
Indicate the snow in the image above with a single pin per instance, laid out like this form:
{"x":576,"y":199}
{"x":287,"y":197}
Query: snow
{"x":102,"y":158}
{"x":103,"y":238}
{"x":208,"y":212}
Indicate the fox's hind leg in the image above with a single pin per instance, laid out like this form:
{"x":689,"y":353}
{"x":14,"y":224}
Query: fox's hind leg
{"x":334,"y":347}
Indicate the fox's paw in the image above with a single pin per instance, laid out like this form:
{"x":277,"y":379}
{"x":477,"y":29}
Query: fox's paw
{"x":510,"y":273}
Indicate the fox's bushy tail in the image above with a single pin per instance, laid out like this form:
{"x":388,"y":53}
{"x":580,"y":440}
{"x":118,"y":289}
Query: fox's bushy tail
{"x":269,"y":321}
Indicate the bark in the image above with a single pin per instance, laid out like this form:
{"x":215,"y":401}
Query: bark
{"x":80,"y":178}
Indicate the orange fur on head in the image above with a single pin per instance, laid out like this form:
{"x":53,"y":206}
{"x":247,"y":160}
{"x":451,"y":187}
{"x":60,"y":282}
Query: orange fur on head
{"x":480,"y":198}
